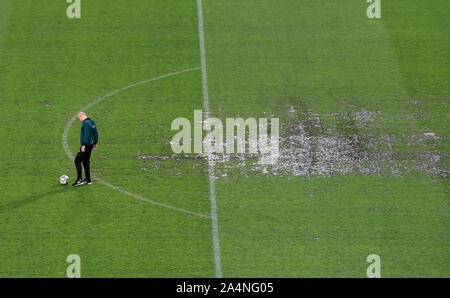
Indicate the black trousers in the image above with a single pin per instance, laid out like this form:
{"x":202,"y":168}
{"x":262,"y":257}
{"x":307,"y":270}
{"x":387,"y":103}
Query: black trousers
{"x":84,"y":158}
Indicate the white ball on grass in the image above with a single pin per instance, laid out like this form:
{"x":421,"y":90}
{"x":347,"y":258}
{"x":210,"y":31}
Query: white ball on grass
{"x":64,"y":179}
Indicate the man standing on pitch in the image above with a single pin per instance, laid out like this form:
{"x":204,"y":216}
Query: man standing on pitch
{"x":88,"y":140}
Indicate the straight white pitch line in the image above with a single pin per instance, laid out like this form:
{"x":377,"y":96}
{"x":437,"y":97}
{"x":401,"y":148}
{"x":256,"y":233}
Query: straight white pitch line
{"x":212,"y":187}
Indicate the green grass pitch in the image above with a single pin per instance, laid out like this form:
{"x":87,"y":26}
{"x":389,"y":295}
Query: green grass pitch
{"x":379,"y":88}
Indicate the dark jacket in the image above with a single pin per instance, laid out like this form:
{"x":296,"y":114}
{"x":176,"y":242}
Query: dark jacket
{"x":89,"y":134}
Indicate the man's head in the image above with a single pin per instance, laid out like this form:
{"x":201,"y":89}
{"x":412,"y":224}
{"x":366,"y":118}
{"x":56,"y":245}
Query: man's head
{"x":82,"y":116}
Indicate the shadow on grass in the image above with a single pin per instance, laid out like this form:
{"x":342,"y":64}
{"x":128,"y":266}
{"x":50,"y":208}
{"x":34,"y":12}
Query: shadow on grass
{"x":17,"y":204}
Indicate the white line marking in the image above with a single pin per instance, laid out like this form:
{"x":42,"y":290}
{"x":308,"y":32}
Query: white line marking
{"x":212,"y":188}
{"x":150,"y":201}
{"x":96,"y":101}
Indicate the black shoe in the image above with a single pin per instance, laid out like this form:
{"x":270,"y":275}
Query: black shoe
{"x":78,"y":182}
{"x":88,"y":182}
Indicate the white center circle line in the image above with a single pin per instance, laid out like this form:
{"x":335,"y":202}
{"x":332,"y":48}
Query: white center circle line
{"x":96,"y":101}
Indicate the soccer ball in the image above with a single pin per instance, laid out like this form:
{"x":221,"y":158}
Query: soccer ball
{"x":63,"y":179}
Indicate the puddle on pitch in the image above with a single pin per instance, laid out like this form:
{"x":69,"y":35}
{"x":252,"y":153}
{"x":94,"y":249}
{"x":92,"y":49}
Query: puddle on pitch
{"x":326,"y":145}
